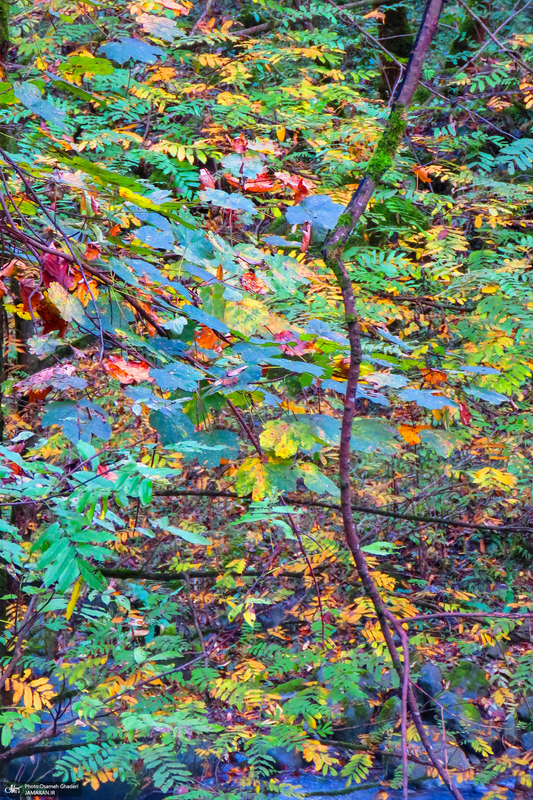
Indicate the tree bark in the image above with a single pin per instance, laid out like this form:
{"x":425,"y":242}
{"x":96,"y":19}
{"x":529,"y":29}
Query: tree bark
{"x":395,"y":34}
{"x":380,"y":162}
{"x":4,"y":34}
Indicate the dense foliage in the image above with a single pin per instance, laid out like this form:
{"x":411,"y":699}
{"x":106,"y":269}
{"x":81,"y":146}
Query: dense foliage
{"x":180,"y":608}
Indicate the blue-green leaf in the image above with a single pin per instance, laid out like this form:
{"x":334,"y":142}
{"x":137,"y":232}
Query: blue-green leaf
{"x":132,"y":49}
{"x":426,"y":399}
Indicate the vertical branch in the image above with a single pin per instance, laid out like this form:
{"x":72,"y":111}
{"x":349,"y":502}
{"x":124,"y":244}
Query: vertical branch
{"x":4,"y":34}
{"x":333,"y":248}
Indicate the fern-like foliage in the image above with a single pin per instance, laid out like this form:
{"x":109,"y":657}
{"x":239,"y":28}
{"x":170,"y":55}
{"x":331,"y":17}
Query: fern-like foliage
{"x":167,"y":771}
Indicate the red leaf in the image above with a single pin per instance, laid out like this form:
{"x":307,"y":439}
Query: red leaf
{"x":465,"y":415}
{"x":106,"y":473}
{"x":260,"y":184}
{"x":36,"y":303}
{"x":56,"y":270}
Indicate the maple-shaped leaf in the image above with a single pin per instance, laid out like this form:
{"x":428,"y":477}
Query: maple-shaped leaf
{"x":243,"y":166}
{"x":30,"y":95}
{"x":426,"y":399}
{"x":433,"y":376}
{"x":252,"y":283}
{"x":68,"y":306}
{"x":262,"y":478}
{"x":409,"y":433}
{"x":285,"y":438}
{"x":127,"y":49}
{"x":252,"y":477}
{"x":35,"y":302}
{"x":319,"y":209}
{"x":127,"y":371}
{"x":161,"y":27}
{"x":443,"y":442}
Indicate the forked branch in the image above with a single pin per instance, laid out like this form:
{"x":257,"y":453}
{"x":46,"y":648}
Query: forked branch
{"x":380,"y":162}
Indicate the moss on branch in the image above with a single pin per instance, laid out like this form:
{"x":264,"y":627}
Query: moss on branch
{"x":388,"y":144}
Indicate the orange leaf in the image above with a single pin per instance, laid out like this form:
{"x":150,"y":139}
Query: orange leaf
{"x":434,"y":376}
{"x":409,"y":433}
{"x":252,"y":283}
{"x":375,"y":14}
{"x":306,"y":237}
{"x":92,"y":251}
{"x":422,"y":174}
{"x":207,"y":339}
{"x":127,"y":371}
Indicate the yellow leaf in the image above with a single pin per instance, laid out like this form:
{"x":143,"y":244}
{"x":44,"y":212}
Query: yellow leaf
{"x":74,"y":598}
{"x":18,"y":690}
{"x":28,"y":697}
{"x":249,"y":616}
{"x":478,"y":222}
{"x":284,"y":438}
{"x":490,"y":289}
{"x":280,"y":133}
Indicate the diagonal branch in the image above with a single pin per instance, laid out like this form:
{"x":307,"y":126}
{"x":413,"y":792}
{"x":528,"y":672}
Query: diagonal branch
{"x":380,"y":162}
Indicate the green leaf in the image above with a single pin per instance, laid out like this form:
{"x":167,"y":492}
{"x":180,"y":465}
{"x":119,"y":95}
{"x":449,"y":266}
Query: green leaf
{"x":51,"y":553}
{"x":318,"y":209}
{"x":7,"y":95}
{"x":189,"y":536}
{"x":30,"y":96}
{"x":285,"y":437}
{"x":426,"y":399}
{"x":204,"y":319}
{"x":171,"y":428}
{"x":145,"y":491}
{"x":487,"y":395}
{"x":370,"y":435}
{"x":80,"y":65}
{"x":327,"y":429}
{"x":300,"y":367}
{"x":177,"y":376}
{"x":104,"y":176}
{"x":69,"y":306}
{"x":160,"y":27}
{"x":132,"y":50}
{"x":316,"y":481}
{"x":6,"y":736}
{"x":380,"y":548}
{"x":443,"y":442}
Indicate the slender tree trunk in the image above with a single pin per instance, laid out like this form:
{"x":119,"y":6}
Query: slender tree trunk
{"x":4,"y":34}
{"x":380,"y":162}
{"x":395,"y":34}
